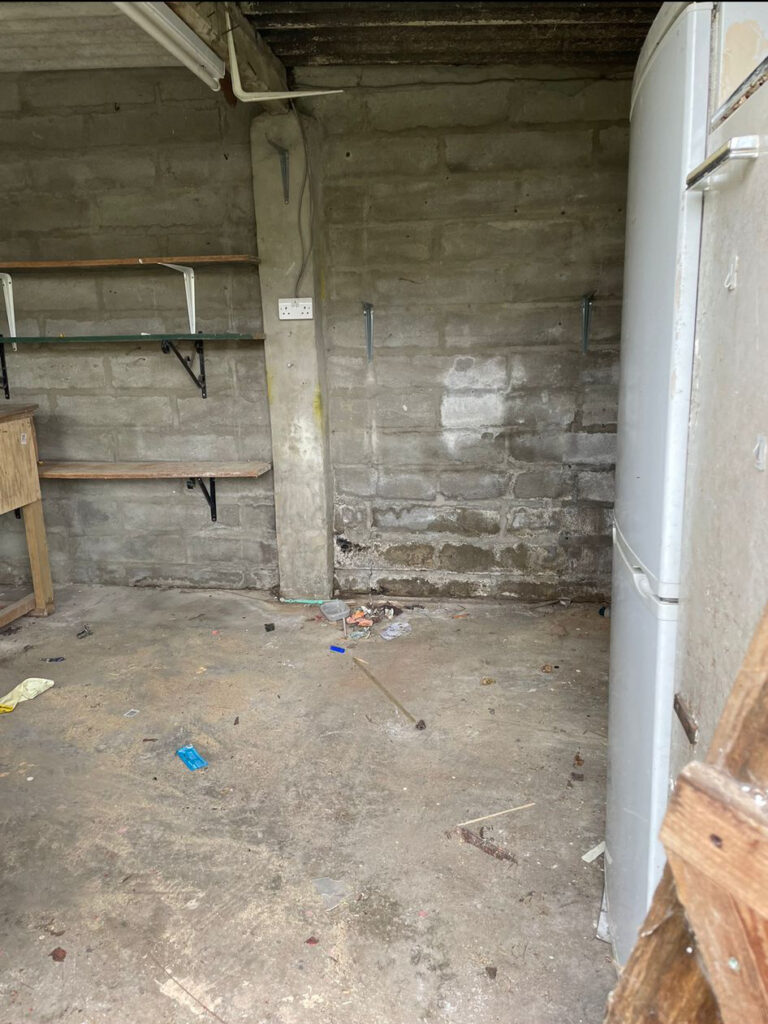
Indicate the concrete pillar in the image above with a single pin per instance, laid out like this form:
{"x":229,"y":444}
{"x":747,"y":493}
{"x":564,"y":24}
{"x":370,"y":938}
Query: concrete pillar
{"x":295,"y":365}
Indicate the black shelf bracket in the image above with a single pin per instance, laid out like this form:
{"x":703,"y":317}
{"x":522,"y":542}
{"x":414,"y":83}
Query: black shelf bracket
{"x":188,"y":362}
{"x":5,"y":384}
{"x":209,"y":492}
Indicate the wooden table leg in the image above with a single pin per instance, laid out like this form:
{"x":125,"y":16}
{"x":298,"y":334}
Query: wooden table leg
{"x":37,"y":544}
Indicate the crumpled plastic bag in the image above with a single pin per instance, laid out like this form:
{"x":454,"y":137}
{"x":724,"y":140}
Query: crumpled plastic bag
{"x":331,"y":891}
{"x":26,"y":690}
{"x":396,"y":629}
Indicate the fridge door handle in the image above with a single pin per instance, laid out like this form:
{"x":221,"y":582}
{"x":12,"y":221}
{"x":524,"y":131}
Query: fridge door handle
{"x":642,"y":585}
{"x":741,"y":147}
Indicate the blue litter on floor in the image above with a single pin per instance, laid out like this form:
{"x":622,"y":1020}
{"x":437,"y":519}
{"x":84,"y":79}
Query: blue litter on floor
{"x":191,"y":758}
{"x":338,"y":650}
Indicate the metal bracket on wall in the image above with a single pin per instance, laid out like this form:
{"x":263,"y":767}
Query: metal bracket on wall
{"x":4,"y":382}
{"x":189,"y":291}
{"x":284,"y":155}
{"x":187,"y":362}
{"x":209,"y":493}
{"x":586,"y":319}
{"x":368,"y":321}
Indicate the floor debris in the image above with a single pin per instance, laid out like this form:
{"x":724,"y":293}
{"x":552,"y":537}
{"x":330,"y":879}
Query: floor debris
{"x":420,"y":724}
{"x":338,"y":650}
{"x":331,"y":891}
{"x":191,"y":758}
{"x":492,"y":849}
{"x":395,"y":629}
{"x":487,"y":681}
{"x":311,"y":941}
{"x":26,"y":690}
{"x":498,"y":814}
{"x":53,"y":661}
{"x":336,"y":611}
{"x":84,"y":632}
{"x":269,"y":627}
{"x":132,"y":713}
{"x":578,"y":760}
{"x":58,"y":954}
{"x":491,"y":972}
{"x":594,"y":853}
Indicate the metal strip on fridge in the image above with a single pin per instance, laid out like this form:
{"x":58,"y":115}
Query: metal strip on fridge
{"x":662,"y":608}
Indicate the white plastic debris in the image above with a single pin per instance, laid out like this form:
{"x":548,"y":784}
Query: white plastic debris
{"x":594,"y":853}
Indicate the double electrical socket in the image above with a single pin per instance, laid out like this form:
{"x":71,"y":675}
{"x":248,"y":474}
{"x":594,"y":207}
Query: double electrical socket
{"x":294,"y":309}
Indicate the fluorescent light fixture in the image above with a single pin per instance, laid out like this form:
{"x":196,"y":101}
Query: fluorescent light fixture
{"x":178,"y":39}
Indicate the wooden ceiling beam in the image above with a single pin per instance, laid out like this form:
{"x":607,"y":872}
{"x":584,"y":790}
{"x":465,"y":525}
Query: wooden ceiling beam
{"x":375,"y":14}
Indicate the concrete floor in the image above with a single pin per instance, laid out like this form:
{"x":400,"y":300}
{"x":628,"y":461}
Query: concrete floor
{"x":188,"y":896}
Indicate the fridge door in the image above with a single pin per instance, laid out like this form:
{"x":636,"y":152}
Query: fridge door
{"x":643,"y":634}
{"x":668,"y":135}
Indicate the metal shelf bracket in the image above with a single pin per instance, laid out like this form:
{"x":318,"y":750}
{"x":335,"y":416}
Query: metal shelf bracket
{"x":10,"y":314}
{"x":209,"y":492}
{"x":188,"y":361}
{"x":189,"y":290}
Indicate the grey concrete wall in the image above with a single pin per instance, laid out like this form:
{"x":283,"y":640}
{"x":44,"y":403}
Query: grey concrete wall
{"x":474,"y":454}
{"x":135,"y":163}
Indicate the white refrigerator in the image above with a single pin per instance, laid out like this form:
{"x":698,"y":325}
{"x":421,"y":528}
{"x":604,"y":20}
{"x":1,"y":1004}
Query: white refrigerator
{"x":668,"y":127}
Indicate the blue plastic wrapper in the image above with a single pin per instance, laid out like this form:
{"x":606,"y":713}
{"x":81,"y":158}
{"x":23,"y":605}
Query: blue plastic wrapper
{"x":338,"y":650}
{"x":191,"y":758}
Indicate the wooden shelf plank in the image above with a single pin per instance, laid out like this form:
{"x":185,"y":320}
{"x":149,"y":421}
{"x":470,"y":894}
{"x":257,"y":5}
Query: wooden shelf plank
{"x":15,"y":412}
{"x":129,"y":261}
{"x":192,"y":468}
{"x":98,"y":338}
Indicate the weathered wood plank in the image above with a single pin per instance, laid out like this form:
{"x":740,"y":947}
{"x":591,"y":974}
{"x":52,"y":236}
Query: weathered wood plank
{"x":37,"y":546}
{"x":10,"y":612}
{"x":663,"y":982}
{"x":724,"y":944}
{"x":481,"y":45}
{"x":342,"y":15}
{"x":18,"y":457}
{"x":15,"y":412}
{"x":127,"y":261}
{"x":150,"y":470}
{"x":720,"y":828}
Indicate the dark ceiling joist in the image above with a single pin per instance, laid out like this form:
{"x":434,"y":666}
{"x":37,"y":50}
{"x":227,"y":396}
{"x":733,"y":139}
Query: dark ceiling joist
{"x":381,"y":32}
{"x":481,"y":47}
{"x":374,"y":14}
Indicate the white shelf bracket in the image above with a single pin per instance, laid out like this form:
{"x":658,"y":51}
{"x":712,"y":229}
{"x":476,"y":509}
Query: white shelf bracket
{"x":189,"y":289}
{"x":261,"y":97}
{"x":10,"y":309}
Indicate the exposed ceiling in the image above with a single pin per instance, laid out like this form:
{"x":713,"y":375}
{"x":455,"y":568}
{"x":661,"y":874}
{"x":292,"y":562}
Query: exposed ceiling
{"x":374,"y":32}
{"x":70,"y":36}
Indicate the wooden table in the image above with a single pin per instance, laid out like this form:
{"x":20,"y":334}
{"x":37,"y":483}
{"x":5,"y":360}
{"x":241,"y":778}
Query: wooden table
{"x":20,"y":489}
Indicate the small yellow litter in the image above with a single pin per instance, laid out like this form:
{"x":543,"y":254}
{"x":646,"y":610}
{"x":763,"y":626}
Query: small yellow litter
{"x":24,"y":691}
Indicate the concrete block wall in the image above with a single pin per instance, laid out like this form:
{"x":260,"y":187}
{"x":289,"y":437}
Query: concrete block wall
{"x":474,"y":207}
{"x":135,"y":163}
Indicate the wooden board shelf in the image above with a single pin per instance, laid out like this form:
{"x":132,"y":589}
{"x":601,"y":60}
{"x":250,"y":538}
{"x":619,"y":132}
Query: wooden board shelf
{"x":184,"y":470}
{"x":196,"y":472}
{"x":99,"y":338}
{"x":128,"y":261}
